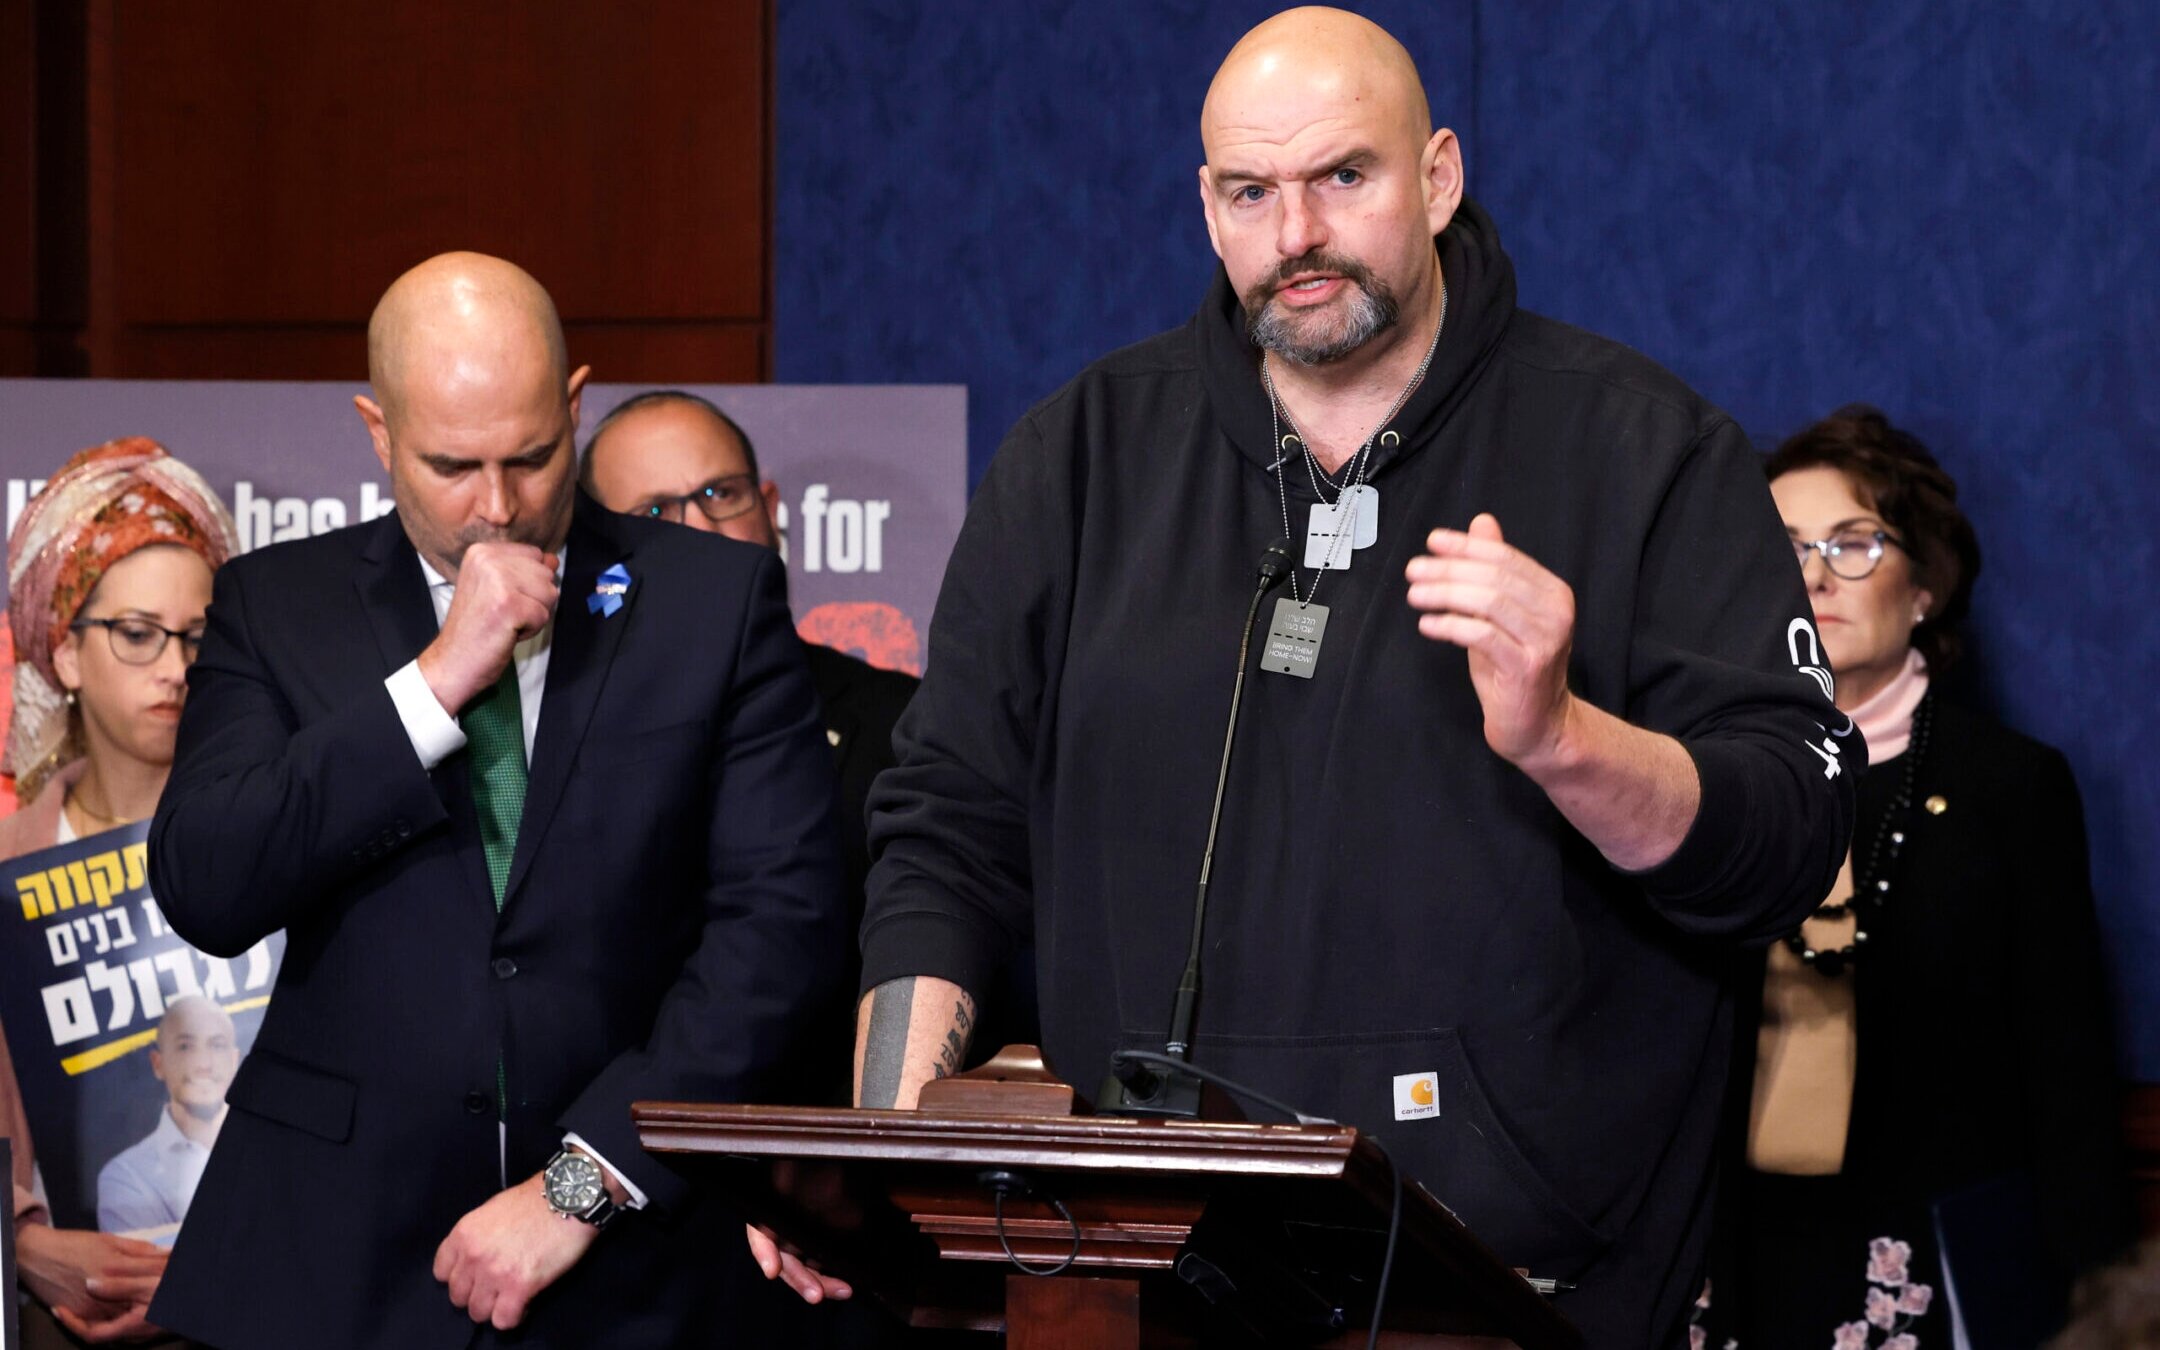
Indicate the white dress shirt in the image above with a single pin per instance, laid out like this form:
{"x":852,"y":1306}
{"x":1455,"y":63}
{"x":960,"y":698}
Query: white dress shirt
{"x":151,"y":1183}
{"x":435,"y":736}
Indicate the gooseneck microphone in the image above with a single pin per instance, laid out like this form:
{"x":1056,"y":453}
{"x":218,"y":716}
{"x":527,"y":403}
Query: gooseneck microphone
{"x":1133,"y":1088}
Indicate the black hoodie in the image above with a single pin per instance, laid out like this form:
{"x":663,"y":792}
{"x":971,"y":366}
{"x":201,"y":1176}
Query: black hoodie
{"x":1389,"y":897}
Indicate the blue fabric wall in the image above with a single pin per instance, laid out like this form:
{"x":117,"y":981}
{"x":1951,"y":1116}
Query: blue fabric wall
{"x":1947,"y":210}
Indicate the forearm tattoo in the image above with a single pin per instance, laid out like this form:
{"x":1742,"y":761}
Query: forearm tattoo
{"x":954,"y":1050}
{"x":892,"y":1007}
{"x":885,"y":1041}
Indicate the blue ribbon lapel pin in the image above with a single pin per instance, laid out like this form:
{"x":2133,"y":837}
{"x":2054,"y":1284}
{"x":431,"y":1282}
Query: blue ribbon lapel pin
{"x":608,"y":591}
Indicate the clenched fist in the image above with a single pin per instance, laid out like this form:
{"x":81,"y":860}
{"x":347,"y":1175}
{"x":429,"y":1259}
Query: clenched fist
{"x":506,"y":592}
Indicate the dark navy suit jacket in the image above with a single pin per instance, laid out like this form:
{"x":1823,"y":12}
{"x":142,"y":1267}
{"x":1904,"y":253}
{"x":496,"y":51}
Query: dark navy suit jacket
{"x":673,"y":920}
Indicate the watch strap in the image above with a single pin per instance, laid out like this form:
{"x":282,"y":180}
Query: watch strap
{"x":604,"y":1211}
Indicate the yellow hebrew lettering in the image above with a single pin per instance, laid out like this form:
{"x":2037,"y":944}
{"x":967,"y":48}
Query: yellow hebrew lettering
{"x":84,"y":893}
{"x":105,"y":877}
{"x":37,"y":896}
{"x":63,"y":892}
{"x":137,"y":858}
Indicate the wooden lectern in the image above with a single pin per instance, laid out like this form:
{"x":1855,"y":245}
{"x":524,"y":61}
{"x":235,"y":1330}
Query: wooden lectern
{"x":1159,"y":1233}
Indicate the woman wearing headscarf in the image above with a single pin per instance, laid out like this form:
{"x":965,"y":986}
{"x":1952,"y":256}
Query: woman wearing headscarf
{"x":1929,"y":1068}
{"x":108,"y":580}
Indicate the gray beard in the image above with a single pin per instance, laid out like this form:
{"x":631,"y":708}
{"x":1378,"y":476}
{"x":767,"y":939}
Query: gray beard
{"x":1373,"y":310}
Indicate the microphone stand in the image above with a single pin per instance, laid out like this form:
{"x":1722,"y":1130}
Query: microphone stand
{"x":1133,"y":1088}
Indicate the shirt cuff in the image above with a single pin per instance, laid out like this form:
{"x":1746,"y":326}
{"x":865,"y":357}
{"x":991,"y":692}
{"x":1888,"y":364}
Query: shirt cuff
{"x":435,"y":734}
{"x":637,"y":1197}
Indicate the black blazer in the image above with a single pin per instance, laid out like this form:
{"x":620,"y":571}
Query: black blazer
{"x":861,"y":702}
{"x":673,"y":917}
{"x":1985,"y":1040}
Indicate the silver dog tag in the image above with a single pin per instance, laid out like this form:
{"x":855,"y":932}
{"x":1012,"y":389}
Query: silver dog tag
{"x":1322,"y":549}
{"x":1363,"y":504}
{"x":1293,"y":639}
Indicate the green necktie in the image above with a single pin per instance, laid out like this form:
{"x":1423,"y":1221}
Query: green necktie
{"x":494,"y":725}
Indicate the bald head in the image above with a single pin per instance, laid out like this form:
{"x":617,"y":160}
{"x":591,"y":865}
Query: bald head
{"x":1324,"y":187}
{"x":457,"y":318}
{"x":477,"y":416}
{"x":193,"y":1015}
{"x":1314,"y":58}
{"x":196,"y":1056}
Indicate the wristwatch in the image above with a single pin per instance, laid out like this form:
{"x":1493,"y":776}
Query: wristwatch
{"x":576,"y":1188}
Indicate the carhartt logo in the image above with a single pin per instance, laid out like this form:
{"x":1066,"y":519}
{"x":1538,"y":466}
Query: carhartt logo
{"x":1416,"y":1095}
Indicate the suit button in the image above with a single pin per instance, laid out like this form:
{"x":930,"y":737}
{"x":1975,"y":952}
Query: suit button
{"x":504,"y":967}
{"x":476,"y":1102}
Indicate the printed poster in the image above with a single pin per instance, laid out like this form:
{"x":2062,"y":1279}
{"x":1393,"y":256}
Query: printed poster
{"x":125,"y":1038}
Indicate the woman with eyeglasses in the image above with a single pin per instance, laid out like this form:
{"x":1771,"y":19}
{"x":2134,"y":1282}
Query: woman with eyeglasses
{"x":1931,"y":1068}
{"x":108,"y":580}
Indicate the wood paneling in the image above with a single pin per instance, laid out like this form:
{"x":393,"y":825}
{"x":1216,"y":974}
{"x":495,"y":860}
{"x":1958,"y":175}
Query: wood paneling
{"x":42,"y":167}
{"x":237,"y":194}
{"x":670,"y":353}
{"x":18,"y":166}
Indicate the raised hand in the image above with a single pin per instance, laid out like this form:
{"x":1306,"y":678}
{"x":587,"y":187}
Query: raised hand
{"x":1516,"y":620}
{"x":506,"y":592}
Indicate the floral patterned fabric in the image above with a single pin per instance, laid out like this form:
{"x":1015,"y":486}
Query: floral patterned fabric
{"x":104,"y":504}
{"x":1825,"y":1263}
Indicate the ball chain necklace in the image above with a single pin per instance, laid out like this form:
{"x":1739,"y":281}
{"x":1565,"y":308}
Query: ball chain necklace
{"x":1871,"y":887}
{"x":1360,"y":463}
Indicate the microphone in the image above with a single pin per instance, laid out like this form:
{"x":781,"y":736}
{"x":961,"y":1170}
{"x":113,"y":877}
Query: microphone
{"x":1133,"y":1088}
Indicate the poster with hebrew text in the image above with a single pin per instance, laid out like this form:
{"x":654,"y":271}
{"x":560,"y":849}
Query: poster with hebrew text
{"x":124,"y":1037}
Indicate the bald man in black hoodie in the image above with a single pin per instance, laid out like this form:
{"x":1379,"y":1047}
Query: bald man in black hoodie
{"x":1563,"y":741}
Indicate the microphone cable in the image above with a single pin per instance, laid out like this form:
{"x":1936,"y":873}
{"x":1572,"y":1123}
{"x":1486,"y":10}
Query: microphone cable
{"x":1254,"y":1095}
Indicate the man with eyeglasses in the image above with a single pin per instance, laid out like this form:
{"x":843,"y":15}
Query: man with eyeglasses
{"x":670,"y":455}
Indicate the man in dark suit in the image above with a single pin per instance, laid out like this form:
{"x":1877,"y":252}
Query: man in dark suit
{"x":668,"y":454}
{"x":535,"y":861}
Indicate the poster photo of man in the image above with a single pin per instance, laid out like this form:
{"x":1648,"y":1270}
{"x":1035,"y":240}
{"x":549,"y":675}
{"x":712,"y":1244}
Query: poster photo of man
{"x":144,"y":1191}
{"x":125,"y":1039}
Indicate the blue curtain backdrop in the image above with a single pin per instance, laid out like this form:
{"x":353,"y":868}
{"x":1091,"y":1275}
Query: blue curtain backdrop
{"x":1944,"y":209}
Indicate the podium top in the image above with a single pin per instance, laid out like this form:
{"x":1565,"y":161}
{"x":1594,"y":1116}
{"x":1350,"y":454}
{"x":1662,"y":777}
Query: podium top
{"x":1064,"y":1143}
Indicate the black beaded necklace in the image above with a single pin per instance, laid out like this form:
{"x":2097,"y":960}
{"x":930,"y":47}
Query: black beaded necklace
{"x":1871,"y":885}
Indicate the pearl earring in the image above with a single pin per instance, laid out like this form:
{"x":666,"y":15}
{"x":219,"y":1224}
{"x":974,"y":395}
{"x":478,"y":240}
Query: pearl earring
{"x":71,"y":698}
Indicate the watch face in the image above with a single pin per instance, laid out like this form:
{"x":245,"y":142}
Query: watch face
{"x":573,"y":1183}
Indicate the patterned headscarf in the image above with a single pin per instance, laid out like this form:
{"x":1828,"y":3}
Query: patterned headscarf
{"x":103,"y":505}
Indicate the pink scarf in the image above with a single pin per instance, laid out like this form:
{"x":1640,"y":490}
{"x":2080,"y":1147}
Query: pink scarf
{"x":1886,"y":717}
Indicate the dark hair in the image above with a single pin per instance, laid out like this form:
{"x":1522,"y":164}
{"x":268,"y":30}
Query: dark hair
{"x":653,"y":398}
{"x":1894,"y":475}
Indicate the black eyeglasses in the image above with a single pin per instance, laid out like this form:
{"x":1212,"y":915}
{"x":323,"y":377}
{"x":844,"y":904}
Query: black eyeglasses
{"x":721,"y":499}
{"x":138,"y":642}
{"x":1851,"y":554}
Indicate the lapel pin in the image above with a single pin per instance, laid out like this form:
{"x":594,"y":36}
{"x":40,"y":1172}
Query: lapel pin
{"x":607,"y":592}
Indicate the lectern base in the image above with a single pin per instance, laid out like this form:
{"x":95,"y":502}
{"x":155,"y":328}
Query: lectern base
{"x":1072,"y":1314}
